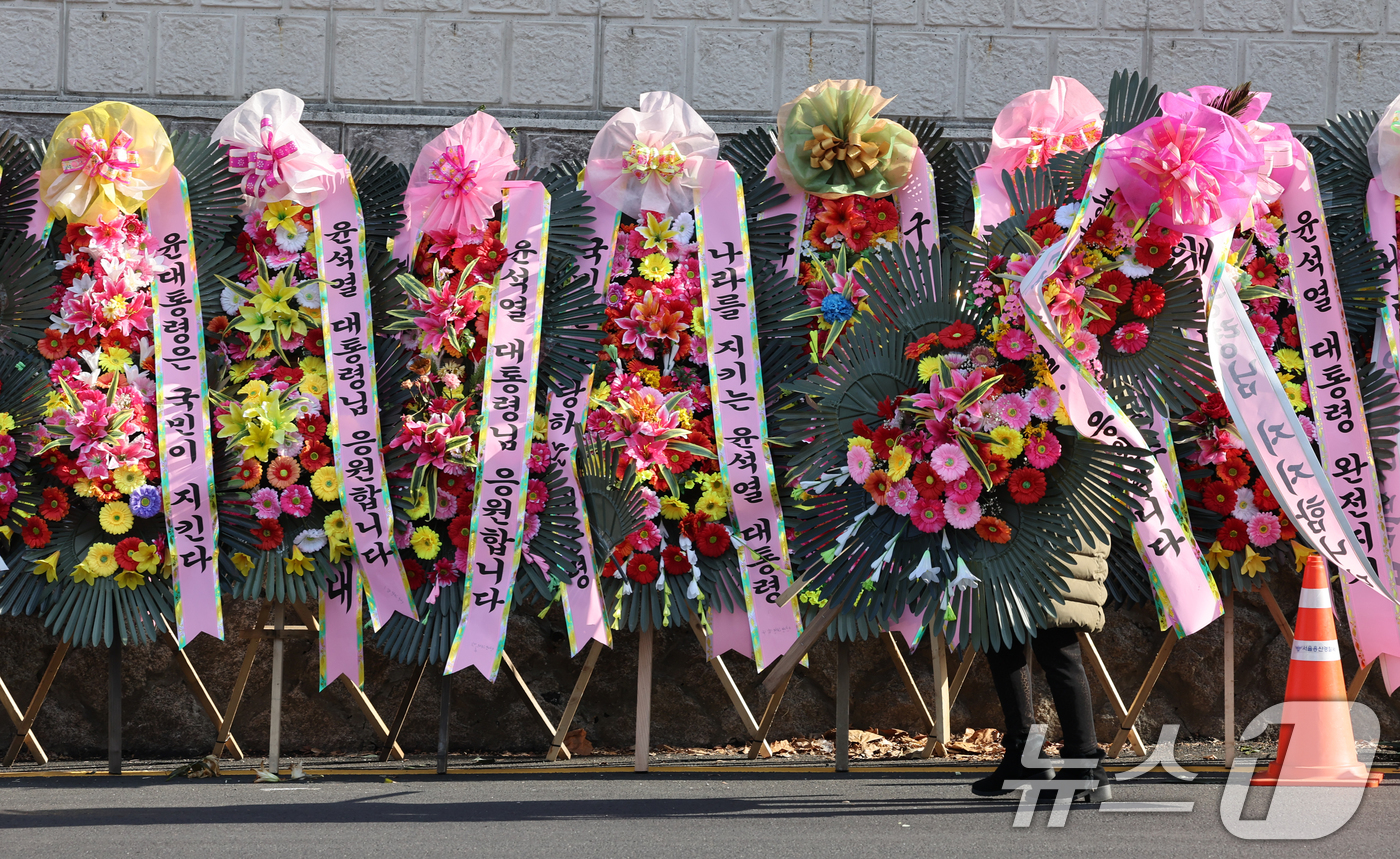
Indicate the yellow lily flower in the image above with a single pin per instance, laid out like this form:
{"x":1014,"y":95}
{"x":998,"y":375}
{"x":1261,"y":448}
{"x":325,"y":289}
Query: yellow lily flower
{"x":242,"y":562}
{"x":148,"y":559}
{"x":129,"y":579}
{"x":656,"y":233}
{"x":1301,"y":554}
{"x":298,"y":564}
{"x":47,"y":567}
{"x":1253,"y":562}
{"x":82,"y":575}
{"x":259,"y":441}
{"x":1218,"y":557}
{"x":282,"y":215}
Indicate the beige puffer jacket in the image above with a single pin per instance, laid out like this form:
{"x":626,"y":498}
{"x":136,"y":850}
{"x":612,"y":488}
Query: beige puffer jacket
{"x":1084,"y":590}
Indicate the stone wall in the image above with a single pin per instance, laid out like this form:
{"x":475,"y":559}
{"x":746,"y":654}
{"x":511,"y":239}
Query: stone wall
{"x":957,"y":59}
{"x":162,"y":719}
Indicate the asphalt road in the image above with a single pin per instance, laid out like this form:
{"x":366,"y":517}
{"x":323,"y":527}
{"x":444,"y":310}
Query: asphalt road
{"x":623,"y":816}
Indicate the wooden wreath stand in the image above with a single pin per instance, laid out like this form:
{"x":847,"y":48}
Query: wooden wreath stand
{"x":279,"y":632}
{"x":24,"y":722}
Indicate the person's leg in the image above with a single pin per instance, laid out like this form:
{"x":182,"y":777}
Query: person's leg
{"x":1011,"y":678}
{"x":1057,"y":651}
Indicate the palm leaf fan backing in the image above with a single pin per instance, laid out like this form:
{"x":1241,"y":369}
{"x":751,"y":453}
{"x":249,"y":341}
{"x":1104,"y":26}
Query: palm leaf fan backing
{"x":24,"y":389}
{"x":19,"y":180}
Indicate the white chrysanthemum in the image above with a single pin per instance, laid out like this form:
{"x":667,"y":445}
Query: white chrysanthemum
{"x":310,"y":540}
{"x":1064,"y":216}
{"x":309,"y":296}
{"x":229,"y":301}
{"x":296,"y":241}
{"x":684,"y":224}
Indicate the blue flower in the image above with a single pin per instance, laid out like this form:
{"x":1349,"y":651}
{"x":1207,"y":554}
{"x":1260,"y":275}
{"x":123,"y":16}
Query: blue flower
{"x":145,"y":502}
{"x":837,"y":308}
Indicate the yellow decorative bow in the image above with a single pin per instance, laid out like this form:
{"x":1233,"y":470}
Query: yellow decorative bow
{"x":825,"y":149}
{"x":105,"y":162}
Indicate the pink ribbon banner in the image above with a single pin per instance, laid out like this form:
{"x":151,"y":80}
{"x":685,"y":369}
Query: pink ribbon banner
{"x":342,"y":644}
{"x":182,"y":392}
{"x":741,"y":423}
{"x":1342,"y":433}
{"x":584,"y":614}
{"x":507,"y":418}
{"x":1275,"y":438}
{"x":354,"y":401}
{"x":1185,"y":591}
{"x":1385,"y":353}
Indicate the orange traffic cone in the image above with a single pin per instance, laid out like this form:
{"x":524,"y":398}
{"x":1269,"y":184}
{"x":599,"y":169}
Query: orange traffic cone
{"x":1316,"y":747}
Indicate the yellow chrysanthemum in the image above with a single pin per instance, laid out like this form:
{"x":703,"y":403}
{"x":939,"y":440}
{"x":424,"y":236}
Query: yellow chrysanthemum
{"x":420,"y":506}
{"x":314,"y":385}
{"x":102,"y":559}
{"x":83,"y":575}
{"x":1062,"y":416}
{"x":313,"y":365}
{"x":655,"y":267}
{"x":116,"y":518}
{"x":113,"y":359}
{"x":928,"y":365}
{"x":325,"y":483}
{"x":7,"y":423}
{"x":336,"y":526}
{"x":239,"y":371}
{"x":1295,"y":395}
{"x":1007,"y":442}
{"x":243,"y":563}
{"x":84,"y":488}
{"x":859,"y":441}
{"x":1290,"y":359}
{"x":900,"y":460}
{"x":673,"y":508}
{"x":128,"y":479}
{"x":426,"y":543}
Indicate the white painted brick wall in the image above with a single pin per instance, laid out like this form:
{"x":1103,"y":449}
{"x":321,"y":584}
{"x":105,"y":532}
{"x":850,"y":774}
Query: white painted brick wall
{"x":581,"y":59}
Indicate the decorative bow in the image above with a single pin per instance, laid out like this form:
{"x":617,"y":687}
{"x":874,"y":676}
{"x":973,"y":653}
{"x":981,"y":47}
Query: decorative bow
{"x":111,"y":162}
{"x":647,"y":161}
{"x":104,"y":162}
{"x":860,"y":156}
{"x":453,"y":170}
{"x":1046,"y":143}
{"x":262,"y":168}
{"x":1383,"y":148}
{"x":1165,"y":156}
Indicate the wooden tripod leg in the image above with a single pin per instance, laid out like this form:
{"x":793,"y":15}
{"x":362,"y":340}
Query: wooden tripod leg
{"x":777,"y":681}
{"x":1354,"y":687}
{"x":1277,"y":612}
{"x":1140,"y":700}
{"x":642,"y":749}
{"x":196,"y":685}
{"x":1229,"y":633}
{"x":941,"y":732}
{"x":530,"y":696}
{"x":24,"y":729}
{"x":902,"y":668}
{"x":732,"y":690}
{"x":372,"y":716}
{"x":250,"y":654}
{"x":402,"y":715}
{"x":17,"y":719}
{"x":566,"y":721}
{"x":963,"y":667}
{"x":1110,"y":689}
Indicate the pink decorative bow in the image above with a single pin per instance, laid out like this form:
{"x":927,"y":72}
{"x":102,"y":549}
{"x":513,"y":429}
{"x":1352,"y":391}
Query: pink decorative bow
{"x":1383,"y":148}
{"x":457,"y":181}
{"x":1029,"y":131}
{"x":453,"y":170}
{"x":100,"y":159}
{"x":275,"y":157}
{"x":261,"y":168}
{"x":1199,"y":166}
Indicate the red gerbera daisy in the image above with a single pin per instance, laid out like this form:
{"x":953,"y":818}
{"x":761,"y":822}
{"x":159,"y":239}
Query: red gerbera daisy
{"x":881,"y":216}
{"x":1100,"y":233}
{"x":957,"y":335}
{"x":675,"y":561}
{"x":312,"y":427}
{"x":927,"y":481}
{"x":878,"y":485}
{"x":315,"y":341}
{"x":1233,"y":472}
{"x":643,"y":569}
{"x":997,"y":469}
{"x":1218,"y":496}
{"x":993,"y":530}
{"x":250,"y":473}
{"x":460,"y":531}
{"x":711,"y":540}
{"x":52,"y":345}
{"x":1148,"y":299}
{"x":314,"y":455}
{"x":1155,"y":248}
{"x":290,"y":375}
{"x":1264,"y":497}
{"x":1233,"y":535}
{"x":1116,"y":284}
{"x":36,"y":533}
{"x":1289,"y":330}
{"x":1099,"y":327}
{"x":54,"y":505}
{"x":124,"y":550}
{"x":268,"y":534}
{"x":1026,"y":485}
{"x":1262,"y":272}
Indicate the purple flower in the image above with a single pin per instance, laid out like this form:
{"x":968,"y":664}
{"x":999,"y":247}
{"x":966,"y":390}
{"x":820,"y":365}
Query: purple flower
{"x":145,"y":502}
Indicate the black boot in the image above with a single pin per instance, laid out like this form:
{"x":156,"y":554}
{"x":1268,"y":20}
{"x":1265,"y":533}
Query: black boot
{"x":1011,"y":677}
{"x":1102,"y":790}
{"x":1010,"y":770}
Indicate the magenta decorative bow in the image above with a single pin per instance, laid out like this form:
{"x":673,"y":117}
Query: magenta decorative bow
{"x":262,"y":168}
{"x":112,"y":161}
{"x":1165,"y":156}
{"x":454,"y":170}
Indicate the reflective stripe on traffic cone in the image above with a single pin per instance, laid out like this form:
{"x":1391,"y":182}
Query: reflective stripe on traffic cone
{"x":1315,"y":744}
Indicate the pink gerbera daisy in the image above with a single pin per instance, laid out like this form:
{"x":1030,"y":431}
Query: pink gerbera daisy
{"x":928,"y":516}
{"x":1016,"y":345}
{"x":965,"y":515}
{"x":1043,"y":452}
{"x":1013,"y":410}
{"x":1130,"y":338}
{"x":296,"y":501}
{"x":1043,"y":402}
{"x":1084,"y":345}
{"x":965,"y":488}
{"x":859,"y":463}
{"x":902,"y":496}
{"x":1264,"y":530}
{"x":949,"y":461}
{"x":266,"y":504}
